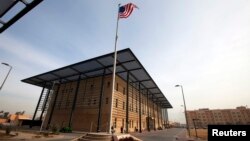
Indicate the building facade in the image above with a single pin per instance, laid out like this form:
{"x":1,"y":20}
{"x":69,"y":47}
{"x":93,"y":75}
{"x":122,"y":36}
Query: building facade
{"x":80,"y":96}
{"x":203,"y":117}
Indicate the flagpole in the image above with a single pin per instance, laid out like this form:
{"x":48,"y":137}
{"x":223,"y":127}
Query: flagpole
{"x":114,"y":72}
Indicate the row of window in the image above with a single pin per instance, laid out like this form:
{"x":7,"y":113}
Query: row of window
{"x":94,"y":101}
{"x":68,"y":103}
{"x":67,"y":90}
{"x":92,"y":86}
{"x":131,"y":107}
{"x":130,"y":123}
{"x":234,"y":116}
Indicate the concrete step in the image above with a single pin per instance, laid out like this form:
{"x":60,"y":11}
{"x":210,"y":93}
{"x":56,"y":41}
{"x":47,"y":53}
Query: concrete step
{"x":82,"y":139}
{"x":99,"y":134}
{"x":96,"y":137}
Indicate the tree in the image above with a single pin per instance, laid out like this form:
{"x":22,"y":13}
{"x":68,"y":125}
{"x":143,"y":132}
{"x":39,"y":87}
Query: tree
{"x":20,"y":113}
{"x":5,"y":115}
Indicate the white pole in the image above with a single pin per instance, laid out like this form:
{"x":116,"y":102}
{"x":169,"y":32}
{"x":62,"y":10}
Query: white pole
{"x":7,"y":74}
{"x":114,"y":70}
{"x":42,"y":125}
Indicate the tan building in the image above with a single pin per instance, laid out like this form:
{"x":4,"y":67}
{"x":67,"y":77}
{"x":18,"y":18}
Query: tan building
{"x":16,"y":119}
{"x":82,"y":98}
{"x":203,"y":117}
{"x":3,"y":120}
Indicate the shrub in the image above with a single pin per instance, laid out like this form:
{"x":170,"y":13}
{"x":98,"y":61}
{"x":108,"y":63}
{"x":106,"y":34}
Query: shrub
{"x":159,"y":128}
{"x":7,"y":130}
{"x":46,"y":134}
{"x":54,"y":129}
{"x":66,"y":130}
{"x":127,"y":139}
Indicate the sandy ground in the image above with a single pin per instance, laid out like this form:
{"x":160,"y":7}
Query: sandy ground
{"x":33,"y":135}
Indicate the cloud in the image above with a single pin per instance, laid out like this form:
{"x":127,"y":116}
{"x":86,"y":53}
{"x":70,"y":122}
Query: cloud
{"x":24,"y":52}
{"x":27,"y":60}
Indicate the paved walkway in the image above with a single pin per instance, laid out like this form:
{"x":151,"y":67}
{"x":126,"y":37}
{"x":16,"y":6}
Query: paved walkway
{"x":182,"y":136}
{"x":173,"y":134}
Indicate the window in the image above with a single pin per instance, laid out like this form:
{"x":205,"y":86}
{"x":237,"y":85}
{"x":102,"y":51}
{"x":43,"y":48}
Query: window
{"x":117,"y":87}
{"x":124,"y":90}
{"x":123,"y":122}
{"x":123,"y":105}
{"x":107,"y":100}
{"x":108,"y":84}
{"x":89,"y":102}
{"x":91,"y":86}
{"x":94,"y":101}
{"x":115,"y":122}
{"x":116,"y":103}
{"x":59,"y":104}
{"x":67,"y":104}
{"x":67,"y":101}
{"x":132,"y":106}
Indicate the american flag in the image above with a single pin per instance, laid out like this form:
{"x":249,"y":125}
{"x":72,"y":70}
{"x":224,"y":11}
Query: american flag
{"x":126,"y":10}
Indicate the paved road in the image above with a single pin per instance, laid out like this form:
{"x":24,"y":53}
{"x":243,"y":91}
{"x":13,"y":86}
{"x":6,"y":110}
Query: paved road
{"x":161,"y":135}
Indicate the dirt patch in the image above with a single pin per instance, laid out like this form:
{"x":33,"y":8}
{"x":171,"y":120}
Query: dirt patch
{"x":28,"y":136}
{"x":201,"y":133}
{"x":5,"y":136}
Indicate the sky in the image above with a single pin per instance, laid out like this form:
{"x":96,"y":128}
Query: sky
{"x":202,"y":45}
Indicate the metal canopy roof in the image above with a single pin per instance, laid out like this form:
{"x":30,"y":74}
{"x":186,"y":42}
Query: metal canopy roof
{"x":126,"y":62}
{"x":8,"y":9}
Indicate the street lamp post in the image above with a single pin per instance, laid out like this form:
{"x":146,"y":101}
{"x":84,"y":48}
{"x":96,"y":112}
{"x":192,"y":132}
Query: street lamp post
{"x":187,"y":125}
{"x":7,"y":74}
